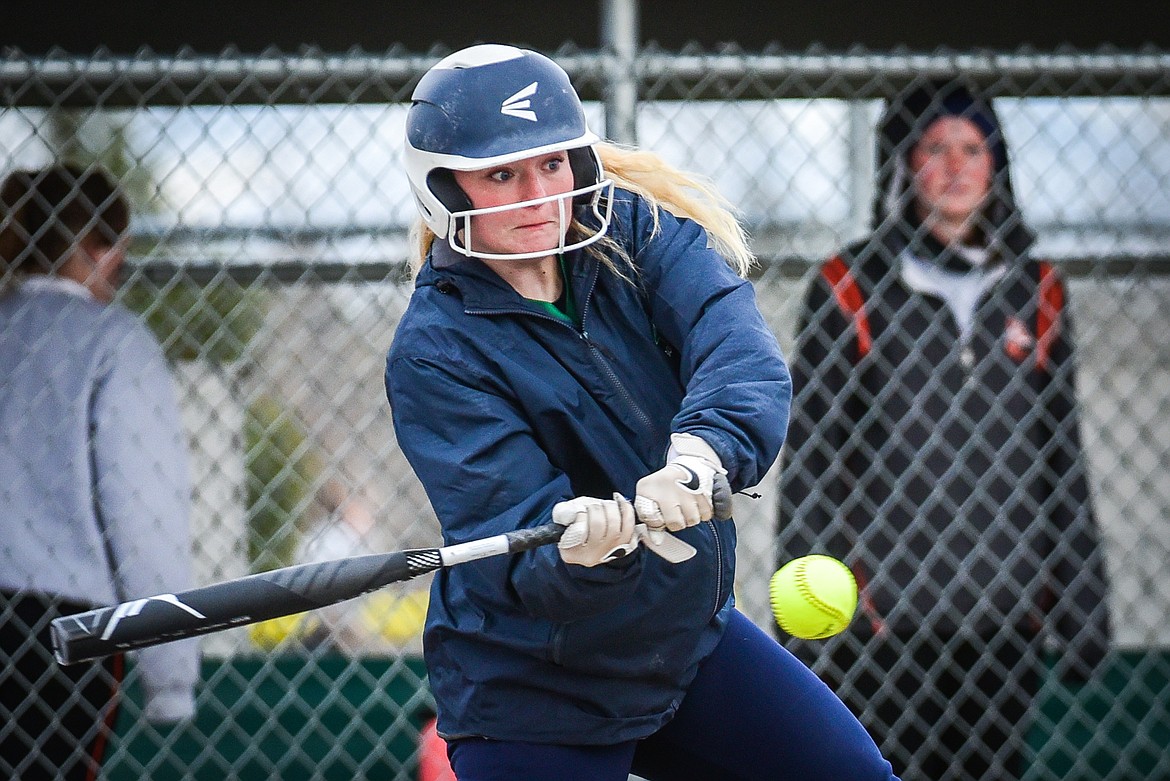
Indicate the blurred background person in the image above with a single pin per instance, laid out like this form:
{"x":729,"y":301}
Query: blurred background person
{"x":380,"y":623}
{"x":93,"y":469}
{"x":934,"y":446}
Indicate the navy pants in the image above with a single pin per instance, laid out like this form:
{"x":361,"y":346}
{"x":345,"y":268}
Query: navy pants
{"x":753,"y":712}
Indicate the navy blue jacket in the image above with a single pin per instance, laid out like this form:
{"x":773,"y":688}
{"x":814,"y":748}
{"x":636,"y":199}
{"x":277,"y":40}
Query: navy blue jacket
{"x":503,"y":410}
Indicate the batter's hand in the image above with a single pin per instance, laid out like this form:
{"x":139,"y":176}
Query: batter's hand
{"x":679,"y":494}
{"x":599,"y":530}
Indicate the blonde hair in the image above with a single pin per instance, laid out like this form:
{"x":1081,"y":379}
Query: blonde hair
{"x":663,"y":186}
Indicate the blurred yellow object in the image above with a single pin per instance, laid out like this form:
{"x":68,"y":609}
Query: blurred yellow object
{"x":395,"y":617}
{"x":271,"y":633}
{"x":386,"y":615}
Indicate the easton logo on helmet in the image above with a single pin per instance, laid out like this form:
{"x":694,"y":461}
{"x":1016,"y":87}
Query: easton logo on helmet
{"x":519,"y":104}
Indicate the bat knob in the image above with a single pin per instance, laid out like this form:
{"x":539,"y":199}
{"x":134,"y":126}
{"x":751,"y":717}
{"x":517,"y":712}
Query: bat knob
{"x":721,"y":497}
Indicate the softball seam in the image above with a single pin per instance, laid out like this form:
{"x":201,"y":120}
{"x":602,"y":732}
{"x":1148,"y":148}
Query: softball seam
{"x":806,"y":592}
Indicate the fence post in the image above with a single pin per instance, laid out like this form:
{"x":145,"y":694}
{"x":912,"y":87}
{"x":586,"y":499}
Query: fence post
{"x":619,"y":39}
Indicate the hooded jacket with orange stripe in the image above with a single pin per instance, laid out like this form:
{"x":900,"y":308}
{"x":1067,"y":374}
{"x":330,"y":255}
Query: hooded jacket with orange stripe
{"x":504,"y":410}
{"x":945,"y":467}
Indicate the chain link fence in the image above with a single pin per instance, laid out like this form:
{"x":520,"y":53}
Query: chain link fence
{"x":268,"y":255}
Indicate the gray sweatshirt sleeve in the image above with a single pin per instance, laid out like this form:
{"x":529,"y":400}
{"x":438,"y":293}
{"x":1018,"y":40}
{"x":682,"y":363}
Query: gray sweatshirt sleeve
{"x":143,"y":501}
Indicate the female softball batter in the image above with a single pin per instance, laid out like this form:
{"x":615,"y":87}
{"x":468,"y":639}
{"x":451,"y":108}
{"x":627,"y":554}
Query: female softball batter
{"x":580,"y":332}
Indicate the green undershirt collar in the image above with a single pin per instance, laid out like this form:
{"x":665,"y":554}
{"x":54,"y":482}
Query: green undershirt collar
{"x":565,"y":307}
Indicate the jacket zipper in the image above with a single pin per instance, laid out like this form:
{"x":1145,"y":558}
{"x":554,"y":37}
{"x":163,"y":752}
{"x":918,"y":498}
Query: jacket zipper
{"x":603,"y":362}
{"x":718,"y":567}
{"x":599,"y":358}
{"x":642,"y":416}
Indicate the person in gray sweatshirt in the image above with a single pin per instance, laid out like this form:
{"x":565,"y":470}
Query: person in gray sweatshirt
{"x":94,"y":483}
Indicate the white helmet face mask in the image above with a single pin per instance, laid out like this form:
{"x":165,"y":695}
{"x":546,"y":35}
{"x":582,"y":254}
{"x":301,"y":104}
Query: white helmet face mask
{"x":600,"y":204}
{"x":489,"y":106}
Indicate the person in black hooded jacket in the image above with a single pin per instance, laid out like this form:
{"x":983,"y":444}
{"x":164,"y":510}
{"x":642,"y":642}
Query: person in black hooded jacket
{"x":934,"y":447}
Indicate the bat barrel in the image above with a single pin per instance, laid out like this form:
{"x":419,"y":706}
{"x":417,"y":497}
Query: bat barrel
{"x":166,"y":617}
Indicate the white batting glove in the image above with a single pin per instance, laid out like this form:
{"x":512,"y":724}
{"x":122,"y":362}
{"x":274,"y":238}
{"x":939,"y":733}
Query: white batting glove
{"x":679,"y":494}
{"x":599,"y":530}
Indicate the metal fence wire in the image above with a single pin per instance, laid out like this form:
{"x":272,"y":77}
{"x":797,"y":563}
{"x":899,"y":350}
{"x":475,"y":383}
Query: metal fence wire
{"x":268,"y":256}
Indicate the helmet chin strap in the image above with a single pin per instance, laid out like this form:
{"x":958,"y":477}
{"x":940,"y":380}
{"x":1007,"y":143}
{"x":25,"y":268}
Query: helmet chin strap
{"x":601,"y":205}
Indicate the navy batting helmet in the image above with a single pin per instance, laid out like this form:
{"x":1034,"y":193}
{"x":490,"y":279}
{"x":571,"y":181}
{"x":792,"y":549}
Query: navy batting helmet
{"x":491,"y":105}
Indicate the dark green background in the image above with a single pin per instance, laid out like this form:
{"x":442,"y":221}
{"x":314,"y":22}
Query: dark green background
{"x":288,"y":717}
{"x":369,"y":713}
